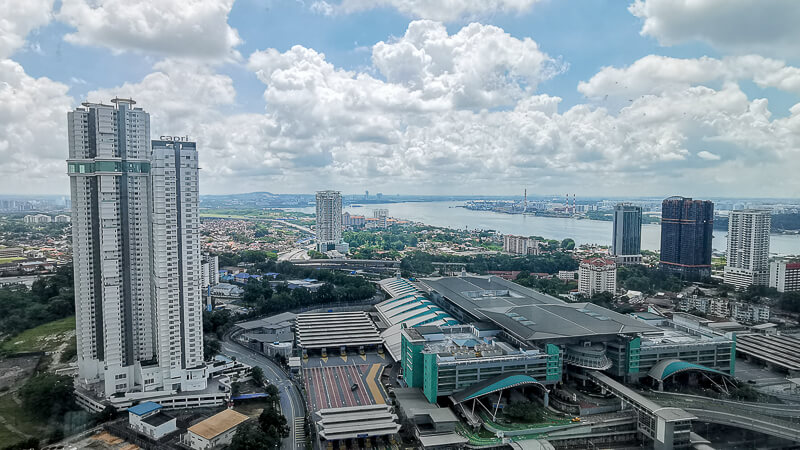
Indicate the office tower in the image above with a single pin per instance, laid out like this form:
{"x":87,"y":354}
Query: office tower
{"x":329,"y":221}
{"x":748,"y":248}
{"x":176,"y":277}
{"x":597,"y":275}
{"x":784,"y":275}
{"x":109,"y":175}
{"x":135,"y":253}
{"x":626,"y":243}
{"x":686,"y":233}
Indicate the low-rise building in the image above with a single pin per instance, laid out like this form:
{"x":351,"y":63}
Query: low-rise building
{"x":748,"y":312}
{"x":62,"y":218}
{"x":148,"y":419}
{"x":216,"y":431}
{"x":567,"y":275}
{"x":597,"y":275}
{"x":784,"y":275}
{"x":520,"y":245}
{"x":37,"y":218}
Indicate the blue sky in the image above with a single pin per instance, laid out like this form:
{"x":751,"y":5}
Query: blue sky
{"x":652,"y":97}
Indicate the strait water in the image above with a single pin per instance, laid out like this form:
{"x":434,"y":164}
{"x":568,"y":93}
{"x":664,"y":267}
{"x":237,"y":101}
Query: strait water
{"x":584,"y":231}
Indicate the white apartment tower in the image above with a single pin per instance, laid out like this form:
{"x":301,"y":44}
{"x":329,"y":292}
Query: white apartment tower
{"x":329,"y":221}
{"x":748,"y":248}
{"x":121,"y":310}
{"x":177,"y":278}
{"x":597,"y":275}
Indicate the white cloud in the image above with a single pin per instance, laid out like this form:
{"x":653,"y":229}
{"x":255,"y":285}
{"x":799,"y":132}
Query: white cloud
{"x":443,"y":10}
{"x":192,"y":29}
{"x":740,"y":26}
{"x":654,"y":74}
{"x":708,"y":156}
{"x":33,"y":131}
{"x":19,"y":18}
{"x":426,"y":117}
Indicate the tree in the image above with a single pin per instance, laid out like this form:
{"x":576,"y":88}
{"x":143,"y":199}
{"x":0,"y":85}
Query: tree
{"x":568,"y":244}
{"x":273,"y":423}
{"x":273,"y":394}
{"x":257,"y":374}
{"x":48,"y":396}
{"x":211,"y":348}
{"x":249,"y":436}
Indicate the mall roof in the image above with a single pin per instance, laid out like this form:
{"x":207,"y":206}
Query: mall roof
{"x":279,"y":319}
{"x":410,"y":310}
{"x":471,"y":293}
{"x":668,"y":367}
{"x":218,"y":424}
{"x":567,"y":320}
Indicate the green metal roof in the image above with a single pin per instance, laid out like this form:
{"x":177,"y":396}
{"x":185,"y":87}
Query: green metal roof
{"x":494,"y":384}
{"x":668,"y":367}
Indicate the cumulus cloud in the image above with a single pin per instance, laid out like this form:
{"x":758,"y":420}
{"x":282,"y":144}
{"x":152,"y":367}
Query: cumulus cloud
{"x":20,"y":18}
{"x":437,"y":112}
{"x":443,"y":10}
{"x":708,"y":156}
{"x":192,"y":29}
{"x":740,"y":26}
{"x":655,"y":74}
{"x":33,"y":130}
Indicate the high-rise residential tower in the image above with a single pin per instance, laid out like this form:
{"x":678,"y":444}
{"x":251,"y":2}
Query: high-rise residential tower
{"x":329,"y":221}
{"x":626,"y":243}
{"x":686,"y":233}
{"x":134,"y":225}
{"x":109,"y":170}
{"x":177,"y":273}
{"x":748,"y":248}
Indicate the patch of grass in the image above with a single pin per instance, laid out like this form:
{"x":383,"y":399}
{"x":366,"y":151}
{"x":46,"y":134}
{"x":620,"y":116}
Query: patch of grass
{"x":45,"y":337}
{"x":10,"y":259}
{"x":18,"y":419}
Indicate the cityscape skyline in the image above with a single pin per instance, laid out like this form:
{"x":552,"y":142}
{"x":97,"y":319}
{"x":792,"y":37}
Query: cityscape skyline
{"x":560,"y":108}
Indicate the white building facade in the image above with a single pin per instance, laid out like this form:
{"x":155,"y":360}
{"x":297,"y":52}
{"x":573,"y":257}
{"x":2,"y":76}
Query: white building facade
{"x":520,"y":245}
{"x":784,"y":275}
{"x":597,"y":275}
{"x":329,"y":222}
{"x":135,"y":254}
{"x":748,"y":248}
{"x":176,"y":285}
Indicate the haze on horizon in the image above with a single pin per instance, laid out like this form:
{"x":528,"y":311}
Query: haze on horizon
{"x":607,"y":98}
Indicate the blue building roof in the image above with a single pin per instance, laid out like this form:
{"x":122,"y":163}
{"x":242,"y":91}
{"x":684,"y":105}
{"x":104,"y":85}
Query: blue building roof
{"x":144,"y":408}
{"x":242,"y":275}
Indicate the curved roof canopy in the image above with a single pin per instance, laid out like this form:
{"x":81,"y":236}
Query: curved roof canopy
{"x":668,"y":367}
{"x":494,"y":384}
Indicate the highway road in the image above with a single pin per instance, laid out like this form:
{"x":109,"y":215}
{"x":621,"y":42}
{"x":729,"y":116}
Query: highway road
{"x":292,"y":405}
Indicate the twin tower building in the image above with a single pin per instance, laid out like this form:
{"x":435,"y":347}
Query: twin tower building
{"x":136,"y":252}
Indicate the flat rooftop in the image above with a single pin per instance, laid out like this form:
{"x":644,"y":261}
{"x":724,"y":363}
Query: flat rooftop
{"x":528,"y":314}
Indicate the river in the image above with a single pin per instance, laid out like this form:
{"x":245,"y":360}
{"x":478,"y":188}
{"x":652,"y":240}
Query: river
{"x":447,"y":214}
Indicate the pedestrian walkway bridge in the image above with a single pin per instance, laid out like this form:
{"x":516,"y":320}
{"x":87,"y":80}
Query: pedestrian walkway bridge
{"x":667,"y":419}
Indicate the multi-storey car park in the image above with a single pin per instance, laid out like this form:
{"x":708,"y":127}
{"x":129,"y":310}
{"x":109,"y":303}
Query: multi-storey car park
{"x":509,"y":336}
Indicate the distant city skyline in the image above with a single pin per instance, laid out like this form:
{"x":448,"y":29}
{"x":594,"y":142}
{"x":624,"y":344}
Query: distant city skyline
{"x":651,"y":97}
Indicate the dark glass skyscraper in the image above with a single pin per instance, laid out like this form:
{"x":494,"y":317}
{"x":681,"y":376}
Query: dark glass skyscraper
{"x":626,"y":243}
{"x":686,"y":233}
